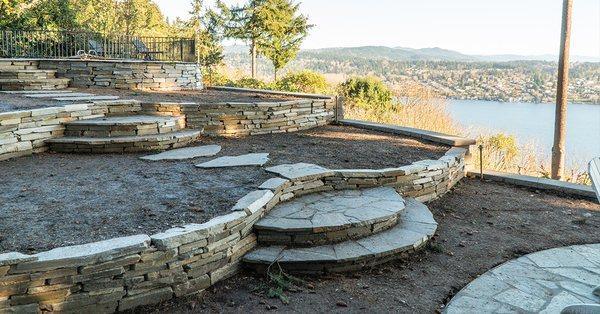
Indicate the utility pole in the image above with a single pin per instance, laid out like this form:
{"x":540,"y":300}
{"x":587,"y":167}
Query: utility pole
{"x":562,"y":88}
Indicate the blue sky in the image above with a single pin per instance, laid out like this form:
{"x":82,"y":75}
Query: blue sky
{"x":523,"y":27}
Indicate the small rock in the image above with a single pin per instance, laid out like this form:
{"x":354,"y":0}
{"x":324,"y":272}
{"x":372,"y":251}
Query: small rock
{"x":597,"y":291}
{"x":341,"y":304}
{"x":271,"y":307}
{"x":310,"y":286}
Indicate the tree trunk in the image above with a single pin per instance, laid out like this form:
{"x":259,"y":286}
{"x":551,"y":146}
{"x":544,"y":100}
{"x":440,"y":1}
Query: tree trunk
{"x":562,"y":88}
{"x":275,"y":74}
{"x":253,"y":53}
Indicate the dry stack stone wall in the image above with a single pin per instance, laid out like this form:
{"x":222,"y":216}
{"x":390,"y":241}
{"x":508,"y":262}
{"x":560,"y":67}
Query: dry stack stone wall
{"x":25,"y":132}
{"x":123,"y":273}
{"x":127,"y":74}
{"x":252,"y":118}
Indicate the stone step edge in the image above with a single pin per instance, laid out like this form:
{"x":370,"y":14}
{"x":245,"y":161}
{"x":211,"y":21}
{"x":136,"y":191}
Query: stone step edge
{"x":34,"y":81}
{"x":95,"y":121}
{"x":124,"y":139}
{"x":416,"y":227}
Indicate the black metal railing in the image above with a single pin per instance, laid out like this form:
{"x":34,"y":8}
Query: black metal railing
{"x":64,"y":44}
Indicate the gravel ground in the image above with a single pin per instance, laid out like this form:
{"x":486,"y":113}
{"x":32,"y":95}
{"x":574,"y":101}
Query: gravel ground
{"x":50,"y":200}
{"x":481,"y":225}
{"x":12,"y":102}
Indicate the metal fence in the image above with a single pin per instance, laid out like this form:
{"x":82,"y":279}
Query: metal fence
{"x":64,"y":44}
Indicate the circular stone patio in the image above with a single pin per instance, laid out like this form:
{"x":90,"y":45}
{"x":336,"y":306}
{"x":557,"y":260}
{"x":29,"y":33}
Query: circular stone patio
{"x":541,"y":282}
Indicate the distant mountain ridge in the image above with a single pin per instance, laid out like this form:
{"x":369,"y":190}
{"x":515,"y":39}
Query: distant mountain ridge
{"x":413,"y":54}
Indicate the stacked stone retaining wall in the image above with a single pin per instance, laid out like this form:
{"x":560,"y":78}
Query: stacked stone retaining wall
{"x":251,"y":118}
{"x":123,"y":273}
{"x":127,"y":74}
{"x":24,"y":132}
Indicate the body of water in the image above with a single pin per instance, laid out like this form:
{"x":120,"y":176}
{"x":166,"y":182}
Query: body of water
{"x":533,"y":123}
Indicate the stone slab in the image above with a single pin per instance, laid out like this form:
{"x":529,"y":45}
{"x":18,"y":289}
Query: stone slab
{"x":54,"y":95}
{"x":12,"y":258}
{"x":36,"y":92}
{"x":594,"y":171}
{"x":185,"y":153}
{"x":86,"y":254}
{"x":538,"y":183}
{"x":86,"y":98}
{"x":547,"y":282}
{"x":273,"y":184}
{"x":253,"y":201}
{"x":256,"y":159}
{"x":300,"y":171}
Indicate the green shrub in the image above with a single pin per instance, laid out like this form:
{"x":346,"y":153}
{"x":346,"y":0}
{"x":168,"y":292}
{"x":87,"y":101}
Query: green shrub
{"x":366,"y":92}
{"x":215,"y":78}
{"x":247,"y":82}
{"x":304,"y":82}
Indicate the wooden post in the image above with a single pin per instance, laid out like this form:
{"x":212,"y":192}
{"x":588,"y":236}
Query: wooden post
{"x":253,"y":57}
{"x":339,"y":108}
{"x":562,"y":88}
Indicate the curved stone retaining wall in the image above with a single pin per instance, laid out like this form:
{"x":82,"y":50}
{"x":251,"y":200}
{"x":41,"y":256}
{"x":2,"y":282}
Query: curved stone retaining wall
{"x":252,"y":118}
{"x":123,"y":273}
{"x":24,"y":132}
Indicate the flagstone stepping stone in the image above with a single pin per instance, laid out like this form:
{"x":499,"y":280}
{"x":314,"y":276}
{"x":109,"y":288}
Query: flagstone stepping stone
{"x":330,"y":217}
{"x":550,"y":281}
{"x":256,"y":159}
{"x":185,"y":153}
{"x":86,"y":98}
{"x":415,"y":228}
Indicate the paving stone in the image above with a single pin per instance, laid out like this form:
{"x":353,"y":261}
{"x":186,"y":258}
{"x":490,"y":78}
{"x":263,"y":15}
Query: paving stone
{"x":185,"y":153}
{"x":545,"y":282}
{"x":256,"y":159}
{"x":300,"y":170}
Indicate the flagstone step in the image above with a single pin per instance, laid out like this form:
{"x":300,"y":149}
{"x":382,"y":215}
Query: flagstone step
{"x":330,"y":217}
{"x":124,"y":144}
{"x":34,"y":84}
{"x":415,"y":228}
{"x":132,"y":125}
{"x":28,"y":74}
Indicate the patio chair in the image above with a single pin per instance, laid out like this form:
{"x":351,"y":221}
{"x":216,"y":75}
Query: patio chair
{"x":96,"y":48}
{"x":142,"y":49}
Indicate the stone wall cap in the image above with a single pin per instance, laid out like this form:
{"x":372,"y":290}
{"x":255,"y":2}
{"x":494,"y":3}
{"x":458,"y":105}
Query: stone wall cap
{"x":273,"y":184}
{"x":86,"y":254}
{"x":300,"y":170}
{"x":253,"y":201}
{"x":12,"y":258}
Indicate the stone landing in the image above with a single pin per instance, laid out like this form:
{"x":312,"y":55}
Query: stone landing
{"x":330,"y":217}
{"x":415,"y":227}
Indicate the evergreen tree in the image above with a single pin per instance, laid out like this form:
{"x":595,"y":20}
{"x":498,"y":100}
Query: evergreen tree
{"x":249,"y":22}
{"x":287,"y":30}
{"x":206,"y":28}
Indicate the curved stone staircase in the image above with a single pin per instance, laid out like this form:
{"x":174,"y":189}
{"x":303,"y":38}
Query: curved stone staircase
{"x":123,"y":134}
{"x":14,"y":77}
{"x":340,"y":231}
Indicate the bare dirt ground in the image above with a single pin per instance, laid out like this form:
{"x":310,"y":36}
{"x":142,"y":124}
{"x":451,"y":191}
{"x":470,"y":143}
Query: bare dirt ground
{"x":51,"y":200}
{"x":481,"y":225}
{"x":12,"y":102}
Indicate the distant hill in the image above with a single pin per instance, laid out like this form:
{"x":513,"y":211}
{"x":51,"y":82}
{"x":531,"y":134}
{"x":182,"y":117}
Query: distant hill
{"x":411,"y":54}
